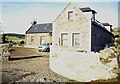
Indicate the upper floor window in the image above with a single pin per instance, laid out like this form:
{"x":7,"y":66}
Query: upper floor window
{"x":70,"y":15}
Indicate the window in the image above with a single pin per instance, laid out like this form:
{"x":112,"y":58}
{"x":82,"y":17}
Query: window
{"x":75,"y":39}
{"x":64,"y":39}
{"x":32,"y":38}
{"x":42,"y":40}
{"x":95,"y":38}
{"x":70,"y":15}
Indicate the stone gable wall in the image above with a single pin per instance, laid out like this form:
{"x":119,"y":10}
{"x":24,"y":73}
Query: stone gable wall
{"x":79,"y":24}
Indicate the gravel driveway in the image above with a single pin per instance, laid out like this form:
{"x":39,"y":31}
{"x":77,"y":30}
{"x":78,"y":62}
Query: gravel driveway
{"x":29,"y":65}
{"x":30,"y":70}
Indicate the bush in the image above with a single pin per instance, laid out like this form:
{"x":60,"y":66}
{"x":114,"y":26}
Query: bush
{"x":118,"y":41}
{"x":22,"y":42}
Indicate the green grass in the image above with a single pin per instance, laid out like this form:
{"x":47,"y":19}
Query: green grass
{"x":0,"y":38}
{"x":14,"y":37}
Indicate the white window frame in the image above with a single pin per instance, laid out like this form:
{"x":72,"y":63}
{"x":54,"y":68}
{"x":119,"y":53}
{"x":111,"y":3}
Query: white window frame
{"x":70,"y":14}
{"x":72,"y":42}
{"x":61,"y":38}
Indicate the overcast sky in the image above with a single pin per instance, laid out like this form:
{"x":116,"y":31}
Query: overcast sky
{"x":17,"y":16}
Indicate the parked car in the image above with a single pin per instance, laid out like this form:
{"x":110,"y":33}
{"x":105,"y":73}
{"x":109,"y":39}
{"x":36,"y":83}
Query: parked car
{"x":45,"y":47}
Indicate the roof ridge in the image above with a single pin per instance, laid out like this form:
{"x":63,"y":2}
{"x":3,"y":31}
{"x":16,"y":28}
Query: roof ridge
{"x":43,"y":23}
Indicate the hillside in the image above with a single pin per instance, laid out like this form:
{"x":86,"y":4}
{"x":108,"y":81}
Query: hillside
{"x":14,"y":37}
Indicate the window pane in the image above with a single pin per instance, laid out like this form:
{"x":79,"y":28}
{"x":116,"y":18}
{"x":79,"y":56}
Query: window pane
{"x":64,"y":39}
{"x":76,"y":39}
{"x":70,"y":15}
{"x":43,"y":39}
{"x":32,"y":38}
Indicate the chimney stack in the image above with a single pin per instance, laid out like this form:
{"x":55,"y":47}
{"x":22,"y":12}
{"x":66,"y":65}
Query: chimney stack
{"x":88,"y":9}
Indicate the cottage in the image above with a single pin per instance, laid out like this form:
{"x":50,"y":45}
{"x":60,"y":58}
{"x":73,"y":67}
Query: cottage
{"x":38,"y":34}
{"x":77,"y":28}
{"x":76,"y":35}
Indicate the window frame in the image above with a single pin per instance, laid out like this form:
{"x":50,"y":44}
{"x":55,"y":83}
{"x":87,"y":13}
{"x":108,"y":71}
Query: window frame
{"x":73,"y":39}
{"x":61,"y":38}
{"x":70,"y":15}
{"x":32,"y":38}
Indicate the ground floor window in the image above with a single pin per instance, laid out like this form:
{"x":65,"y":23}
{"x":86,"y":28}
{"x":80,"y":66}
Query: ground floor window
{"x":64,"y":39}
{"x":32,"y":38}
{"x":75,"y":39}
{"x":42,"y":39}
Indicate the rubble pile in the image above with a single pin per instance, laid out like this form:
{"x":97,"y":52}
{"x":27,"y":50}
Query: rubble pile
{"x":108,"y":57}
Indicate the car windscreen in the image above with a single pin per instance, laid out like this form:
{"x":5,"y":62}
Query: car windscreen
{"x":45,"y":44}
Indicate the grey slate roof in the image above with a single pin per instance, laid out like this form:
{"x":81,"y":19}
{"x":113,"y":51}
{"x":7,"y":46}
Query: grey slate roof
{"x":40,"y":28}
{"x":87,"y":9}
{"x":106,"y":24}
{"x":102,"y":27}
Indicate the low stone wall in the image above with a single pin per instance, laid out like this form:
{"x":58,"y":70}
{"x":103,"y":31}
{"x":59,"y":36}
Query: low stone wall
{"x":4,"y":52}
{"x":80,"y":66}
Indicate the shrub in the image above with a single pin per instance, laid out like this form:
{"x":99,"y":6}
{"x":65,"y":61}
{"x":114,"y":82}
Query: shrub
{"x":22,"y":42}
{"x":118,"y":41}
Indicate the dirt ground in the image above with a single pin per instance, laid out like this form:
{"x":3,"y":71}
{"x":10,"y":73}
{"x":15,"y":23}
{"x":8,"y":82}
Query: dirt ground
{"x":23,"y":51}
{"x":29,"y":65}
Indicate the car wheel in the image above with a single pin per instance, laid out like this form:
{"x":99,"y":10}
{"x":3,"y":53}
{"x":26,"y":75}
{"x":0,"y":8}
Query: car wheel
{"x":48,"y":50}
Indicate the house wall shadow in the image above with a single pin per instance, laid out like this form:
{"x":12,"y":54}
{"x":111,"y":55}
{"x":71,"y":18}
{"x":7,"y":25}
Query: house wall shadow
{"x":21,"y":58}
